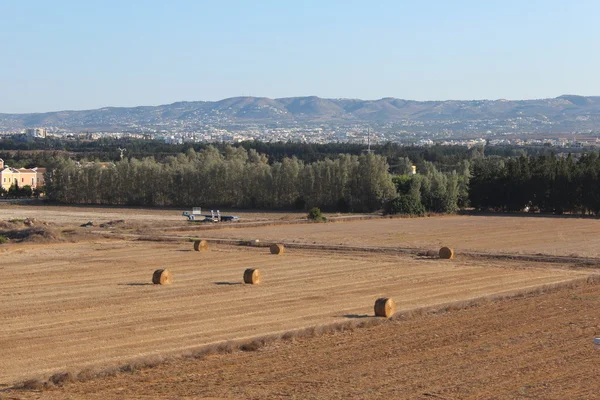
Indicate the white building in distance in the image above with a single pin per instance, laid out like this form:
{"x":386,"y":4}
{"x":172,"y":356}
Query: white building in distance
{"x":35,"y":132}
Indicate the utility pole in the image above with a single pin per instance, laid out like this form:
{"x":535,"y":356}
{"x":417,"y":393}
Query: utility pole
{"x":369,"y":140}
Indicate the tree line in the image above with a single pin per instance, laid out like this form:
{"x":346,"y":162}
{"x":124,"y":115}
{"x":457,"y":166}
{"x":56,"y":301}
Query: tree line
{"x":445,"y":158}
{"x":548,"y":183}
{"x":235,"y":177}
{"x":431,"y":191}
{"x":545,"y":183}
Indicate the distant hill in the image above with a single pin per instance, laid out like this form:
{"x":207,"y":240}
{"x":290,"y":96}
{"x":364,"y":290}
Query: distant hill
{"x":568,"y":112}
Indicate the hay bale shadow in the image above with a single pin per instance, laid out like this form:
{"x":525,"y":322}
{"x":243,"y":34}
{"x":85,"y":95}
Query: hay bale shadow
{"x":227,"y":283}
{"x":136,"y":284}
{"x":356,"y":316}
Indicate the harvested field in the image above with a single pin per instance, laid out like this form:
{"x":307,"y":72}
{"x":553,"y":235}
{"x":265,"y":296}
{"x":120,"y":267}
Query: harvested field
{"x":510,"y":234}
{"x":72,"y":305}
{"x":537,"y":347}
{"x":517,"y":235}
{"x":153,"y":216}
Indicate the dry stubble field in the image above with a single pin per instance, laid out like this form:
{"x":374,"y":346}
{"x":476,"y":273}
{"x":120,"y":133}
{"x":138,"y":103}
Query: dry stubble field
{"x":536,"y":347}
{"x":68,"y":306}
{"x":158,"y":217}
{"x":512,"y":234}
{"x":554,"y":236}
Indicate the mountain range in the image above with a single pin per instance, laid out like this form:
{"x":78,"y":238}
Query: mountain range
{"x":567,"y":112}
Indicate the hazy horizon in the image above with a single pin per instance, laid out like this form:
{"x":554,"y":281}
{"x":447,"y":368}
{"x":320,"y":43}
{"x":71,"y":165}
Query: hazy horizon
{"x":275,"y":98}
{"x":69,"y":55}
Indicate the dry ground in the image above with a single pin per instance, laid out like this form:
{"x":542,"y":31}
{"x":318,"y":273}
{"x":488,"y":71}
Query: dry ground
{"x":76,"y":215}
{"x":69,"y":306}
{"x":72,"y":305}
{"x":515,"y":234}
{"x":490,"y":234}
{"x":537,"y":347}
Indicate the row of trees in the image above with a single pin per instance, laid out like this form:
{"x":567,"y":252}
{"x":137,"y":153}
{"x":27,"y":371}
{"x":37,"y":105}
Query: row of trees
{"x":431,"y":191}
{"x":235,"y":177}
{"x":545,"y":183}
{"x":445,"y":158}
{"x":239,"y":177}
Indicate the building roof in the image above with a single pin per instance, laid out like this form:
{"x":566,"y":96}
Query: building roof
{"x":35,"y":170}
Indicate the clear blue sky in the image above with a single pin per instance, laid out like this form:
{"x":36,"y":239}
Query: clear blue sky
{"x":57,"y":55}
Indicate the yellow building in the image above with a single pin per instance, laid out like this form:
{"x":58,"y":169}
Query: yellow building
{"x":33,"y":177}
{"x":39,"y":176}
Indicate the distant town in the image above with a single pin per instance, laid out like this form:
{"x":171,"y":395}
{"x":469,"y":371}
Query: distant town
{"x":567,"y":121}
{"x":350,"y":134}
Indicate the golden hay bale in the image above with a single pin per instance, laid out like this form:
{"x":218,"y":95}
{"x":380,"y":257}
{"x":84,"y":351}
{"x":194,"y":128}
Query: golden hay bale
{"x":252,"y":276}
{"x":162,"y":277}
{"x":277,"y":248}
{"x":200,"y":245}
{"x":385,"y":307}
{"x":446,"y":253}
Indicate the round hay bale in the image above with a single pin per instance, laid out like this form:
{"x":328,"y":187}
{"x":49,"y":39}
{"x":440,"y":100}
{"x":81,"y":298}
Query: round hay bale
{"x":162,"y":277}
{"x":253,"y":242}
{"x":200,"y":245}
{"x":277,"y":248}
{"x":252,"y":276}
{"x":385,"y":307}
{"x":446,"y":253}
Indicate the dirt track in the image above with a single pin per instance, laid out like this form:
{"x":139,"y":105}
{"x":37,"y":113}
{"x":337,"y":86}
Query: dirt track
{"x":77,"y":215}
{"x":68,"y":306}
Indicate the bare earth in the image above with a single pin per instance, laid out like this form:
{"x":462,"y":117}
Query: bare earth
{"x":539,"y":347}
{"x":164,"y":217}
{"x":70,"y":306}
{"x":564,"y":236}
{"x":95,"y":302}
{"x":518,"y":235}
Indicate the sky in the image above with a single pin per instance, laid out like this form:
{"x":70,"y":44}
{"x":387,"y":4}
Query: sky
{"x":74,"y":55}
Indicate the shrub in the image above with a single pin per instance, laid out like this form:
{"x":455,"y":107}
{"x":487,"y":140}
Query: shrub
{"x":315,"y":215}
{"x":3,"y":239}
{"x":404,"y":204}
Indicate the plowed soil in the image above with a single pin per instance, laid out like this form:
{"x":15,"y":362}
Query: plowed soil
{"x":68,"y":306}
{"x":536,"y":347}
